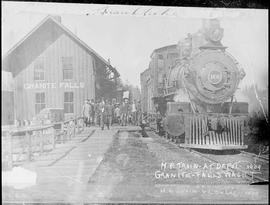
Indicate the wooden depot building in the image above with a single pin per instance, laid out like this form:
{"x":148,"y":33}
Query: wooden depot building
{"x":53,"y":68}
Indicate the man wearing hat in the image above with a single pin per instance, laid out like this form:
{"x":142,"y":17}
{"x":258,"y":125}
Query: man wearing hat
{"x":86,"y":112}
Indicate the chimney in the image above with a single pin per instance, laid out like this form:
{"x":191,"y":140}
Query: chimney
{"x":57,"y":18}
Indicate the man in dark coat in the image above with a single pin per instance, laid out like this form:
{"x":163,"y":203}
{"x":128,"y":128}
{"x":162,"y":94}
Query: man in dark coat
{"x":86,"y":111}
{"x":97,"y":113}
{"x":143,"y":124}
{"x":125,"y":112}
{"x":110,"y":112}
{"x":102,"y":114}
{"x":92,"y":115}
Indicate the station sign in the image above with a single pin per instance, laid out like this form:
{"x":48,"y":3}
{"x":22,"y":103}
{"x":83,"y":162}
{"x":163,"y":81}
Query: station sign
{"x":65,"y":85}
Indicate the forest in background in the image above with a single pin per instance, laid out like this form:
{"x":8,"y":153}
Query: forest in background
{"x":258,"y":122}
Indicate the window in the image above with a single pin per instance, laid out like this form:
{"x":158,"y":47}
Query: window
{"x":40,"y":102}
{"x":173,"y":55}
{"x":111,"y":76}
{"x":160,"y":77}
{"x":39,"y":70}
{"x":160,"y":56}
{"x":68,"y":102}
{"x":67,"y":68}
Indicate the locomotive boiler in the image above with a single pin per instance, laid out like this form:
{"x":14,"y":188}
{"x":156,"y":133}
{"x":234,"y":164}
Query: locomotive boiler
{"x":199,"y":91}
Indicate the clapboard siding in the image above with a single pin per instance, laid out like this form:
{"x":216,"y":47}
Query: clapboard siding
{"x":64,"y":46}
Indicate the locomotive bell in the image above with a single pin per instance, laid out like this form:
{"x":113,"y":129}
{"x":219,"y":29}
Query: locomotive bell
{"x":213,"y":34}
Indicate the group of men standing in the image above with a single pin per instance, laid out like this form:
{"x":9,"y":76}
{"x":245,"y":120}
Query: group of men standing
{"x":106,"y":113}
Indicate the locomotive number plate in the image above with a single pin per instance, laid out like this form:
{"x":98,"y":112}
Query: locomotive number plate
{"x":214,"y":76}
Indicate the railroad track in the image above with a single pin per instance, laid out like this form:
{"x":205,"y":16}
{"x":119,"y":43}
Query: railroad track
{"x":252,"y":178}
{"x":255,"y":156}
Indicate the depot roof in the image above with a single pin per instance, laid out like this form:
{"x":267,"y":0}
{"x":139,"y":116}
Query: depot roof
{"x":37,"y":40}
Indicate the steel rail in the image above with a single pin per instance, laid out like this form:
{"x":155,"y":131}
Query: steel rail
{"x":250,"y":177}
{"x":259,"y":157}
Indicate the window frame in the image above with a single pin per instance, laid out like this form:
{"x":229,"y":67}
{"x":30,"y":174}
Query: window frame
{"x":173,"y":55}
{"x":68,"y":103}
{"x":160,"y":57}
{"x":67,"y":65}
{"x":41,"y":104}
{"x":39,"y":68}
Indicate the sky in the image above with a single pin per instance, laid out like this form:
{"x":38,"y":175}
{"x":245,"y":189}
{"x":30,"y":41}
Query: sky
{"x":128,"y":34}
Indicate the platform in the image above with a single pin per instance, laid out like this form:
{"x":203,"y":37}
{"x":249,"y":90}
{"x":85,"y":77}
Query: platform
{"x":64,"y":172}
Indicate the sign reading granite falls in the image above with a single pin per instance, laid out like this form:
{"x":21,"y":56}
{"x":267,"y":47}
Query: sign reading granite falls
{"x":67,"y":85}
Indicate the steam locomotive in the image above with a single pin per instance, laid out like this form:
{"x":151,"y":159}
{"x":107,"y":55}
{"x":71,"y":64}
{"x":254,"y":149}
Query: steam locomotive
{"x":194,"y":97}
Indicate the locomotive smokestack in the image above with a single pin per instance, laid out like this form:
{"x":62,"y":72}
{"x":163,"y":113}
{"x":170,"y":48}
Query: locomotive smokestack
{"x":213,"y":33}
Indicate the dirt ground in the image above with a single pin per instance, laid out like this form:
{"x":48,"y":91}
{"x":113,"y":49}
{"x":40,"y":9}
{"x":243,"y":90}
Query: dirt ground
{"x":127,"y":173}
{"x":126,"y":165}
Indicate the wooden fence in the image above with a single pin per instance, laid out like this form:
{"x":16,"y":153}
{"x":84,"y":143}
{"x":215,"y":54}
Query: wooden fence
{"x":24,"y":144}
